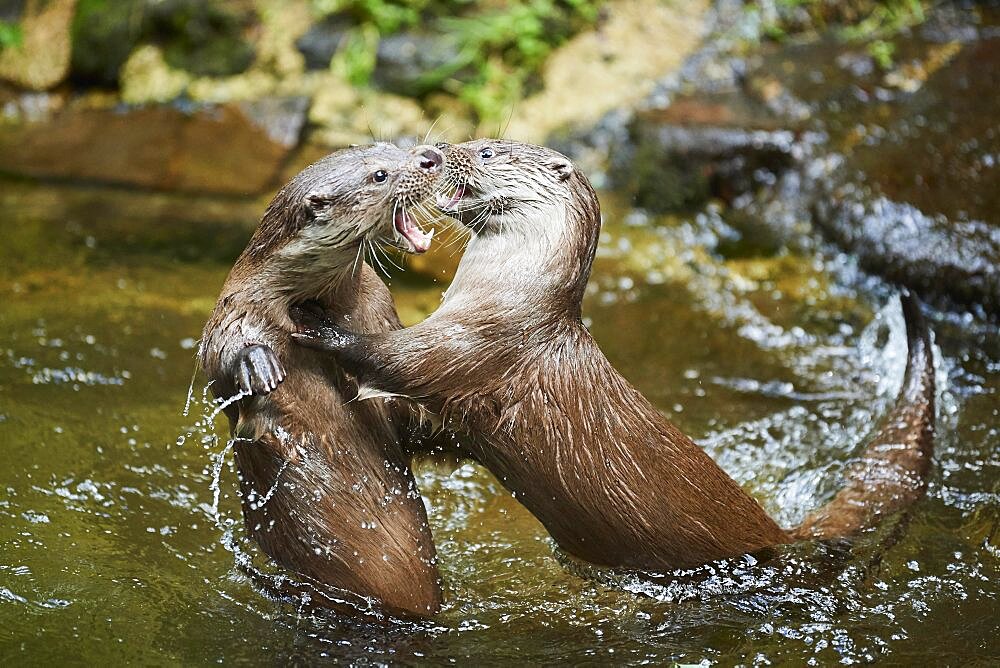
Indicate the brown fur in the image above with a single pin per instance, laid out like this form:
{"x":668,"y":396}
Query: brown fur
{"x":507,"y":362}
{"x":344,"y":510}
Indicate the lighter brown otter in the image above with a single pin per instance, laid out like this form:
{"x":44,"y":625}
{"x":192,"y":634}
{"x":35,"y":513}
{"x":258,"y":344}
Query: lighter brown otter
{"x":325,"y":485}
{"x":507,"y":362}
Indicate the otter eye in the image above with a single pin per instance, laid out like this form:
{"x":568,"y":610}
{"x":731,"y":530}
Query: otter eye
{"x":486,"y":153}
{"x":380,"y":176}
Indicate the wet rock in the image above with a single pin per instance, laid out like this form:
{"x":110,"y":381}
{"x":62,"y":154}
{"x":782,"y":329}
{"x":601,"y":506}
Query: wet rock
{"x":922,"y":200}
{"x":208,"y":150}
{"x":931,"y":254}
{"x":42,"y":59}
{"x":702,"y":147}
{"x":900,"y":167}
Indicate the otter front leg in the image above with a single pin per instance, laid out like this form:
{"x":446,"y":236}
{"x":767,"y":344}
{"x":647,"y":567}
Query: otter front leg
{"x":354,"y":352}
{"x":257,"y":370}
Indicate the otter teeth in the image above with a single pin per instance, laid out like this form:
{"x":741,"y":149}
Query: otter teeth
{"x":450,"y":203}
{"x":416,"y":238}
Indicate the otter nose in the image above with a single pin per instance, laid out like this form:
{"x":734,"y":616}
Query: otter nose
{"x":429,"y":157}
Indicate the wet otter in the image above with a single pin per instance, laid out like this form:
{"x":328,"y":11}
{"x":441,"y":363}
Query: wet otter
{"x":325,"y":486}
{"x":507,"y":361}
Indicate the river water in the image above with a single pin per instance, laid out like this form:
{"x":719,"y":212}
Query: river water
{"x":120,"y":526}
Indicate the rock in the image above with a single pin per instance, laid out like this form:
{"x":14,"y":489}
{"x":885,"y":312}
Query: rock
{"x":413,"y":64}
{"x":146,"y":77}
{"x":701,"y":147}
{"x":104,"y":34}
{"x":812,"y":141}
{"x":281,"y":118}
{"x":322,"y":40}
{"x":12,"y":10}
{"x":198,"y":37}
{"x":931,"y":254}
{"x":922,"y":201}
{"x":203,"y":38}
{"x":206,"y":150}
{"x":42,"y":59}
{"x":22,"y":107}
{"x":612,"y":67}
{"x":346,"y":115}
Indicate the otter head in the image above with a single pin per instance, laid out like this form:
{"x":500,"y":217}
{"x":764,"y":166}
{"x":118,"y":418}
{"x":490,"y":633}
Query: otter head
{"x":369,"y":193}
{"x":493,"y":185}
{"x":534,"y":217}
{"x":323,"y":218}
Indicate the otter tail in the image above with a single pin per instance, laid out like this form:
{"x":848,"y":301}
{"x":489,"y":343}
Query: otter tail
{"x":892,"y":473}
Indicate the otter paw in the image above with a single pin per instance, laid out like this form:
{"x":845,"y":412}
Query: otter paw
{"x":258,"y":370}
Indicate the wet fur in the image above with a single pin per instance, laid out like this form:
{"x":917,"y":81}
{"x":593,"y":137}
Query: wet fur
{"x":343,"y":507}
{"x":508,"y":364}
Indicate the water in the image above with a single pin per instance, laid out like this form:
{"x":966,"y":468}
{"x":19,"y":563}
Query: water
{"x":118,"y":545}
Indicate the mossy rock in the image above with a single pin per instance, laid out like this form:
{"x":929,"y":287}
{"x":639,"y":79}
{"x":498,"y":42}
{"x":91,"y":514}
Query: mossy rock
{"x":201,"y":38}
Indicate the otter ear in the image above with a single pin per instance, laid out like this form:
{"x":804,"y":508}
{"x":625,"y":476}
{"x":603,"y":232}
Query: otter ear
{"x":318,"y":203}
{"x":562,"y":168}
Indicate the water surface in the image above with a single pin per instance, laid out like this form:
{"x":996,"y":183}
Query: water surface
{"x":779,"y":364}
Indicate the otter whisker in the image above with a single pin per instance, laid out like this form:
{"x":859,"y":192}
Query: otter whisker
{"x":431,"y":129}
{"x":371,"y":251}
{"x":460,"y":237}
{"x":388,"y":257}
{"x":357,"y":260}
{"x":427,"y":213}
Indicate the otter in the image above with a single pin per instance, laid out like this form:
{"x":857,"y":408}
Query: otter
{"x":507,"y":362}
{"x":325,"y":486}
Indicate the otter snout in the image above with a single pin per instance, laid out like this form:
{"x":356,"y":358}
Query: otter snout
{"x":429,"y":157}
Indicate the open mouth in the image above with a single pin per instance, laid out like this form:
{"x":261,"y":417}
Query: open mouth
{"x":418,"y":240}
{"x":450,"y":204}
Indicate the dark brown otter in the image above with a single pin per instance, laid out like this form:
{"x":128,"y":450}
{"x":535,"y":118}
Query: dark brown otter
{"x":507,"y":362}
{"x":325,"y":485}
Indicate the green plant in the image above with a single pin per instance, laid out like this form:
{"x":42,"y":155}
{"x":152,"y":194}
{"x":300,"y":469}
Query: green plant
{"x":10,"y":34}
{"x":886,"y":19}
{"x":505,"y":48}
{"x":882,"y":53}
{"x":388,"y":16}
{"x":356,"y":58}
{"x":498,"y":49}
{"x":871,"y":22}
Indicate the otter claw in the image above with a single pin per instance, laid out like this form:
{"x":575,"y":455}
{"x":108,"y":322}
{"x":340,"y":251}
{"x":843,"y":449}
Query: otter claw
{"x":259,"y":371}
